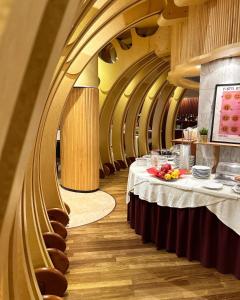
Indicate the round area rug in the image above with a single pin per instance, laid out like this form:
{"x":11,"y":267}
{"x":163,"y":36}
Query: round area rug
{"x":87,"y":207}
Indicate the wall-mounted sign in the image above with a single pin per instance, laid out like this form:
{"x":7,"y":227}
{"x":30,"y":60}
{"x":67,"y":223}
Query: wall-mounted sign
{"x":226,"y":114}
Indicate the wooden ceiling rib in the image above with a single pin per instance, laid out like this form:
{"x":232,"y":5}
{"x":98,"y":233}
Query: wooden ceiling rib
{"x":46,"y":70}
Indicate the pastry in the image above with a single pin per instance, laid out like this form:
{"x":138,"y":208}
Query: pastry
{"x":225,"y":128}
{"x":237,"y":96}
{"x":227,"y":107}
{"x":237,"y":178}
{"x":225,"y":118}
{"x":228,"y":96}
{"x":235,"y":118}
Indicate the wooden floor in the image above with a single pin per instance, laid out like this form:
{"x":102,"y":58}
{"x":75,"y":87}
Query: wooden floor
{"x":109,"y":261}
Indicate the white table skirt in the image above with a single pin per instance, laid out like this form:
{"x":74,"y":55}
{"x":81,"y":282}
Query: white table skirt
{"x":185,"y":192}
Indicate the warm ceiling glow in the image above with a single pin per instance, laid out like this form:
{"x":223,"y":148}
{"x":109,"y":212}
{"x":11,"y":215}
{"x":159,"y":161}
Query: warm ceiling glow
{"x":99,"y":3}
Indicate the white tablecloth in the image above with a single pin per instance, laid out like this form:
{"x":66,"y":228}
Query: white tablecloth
{"x":185,"y":192}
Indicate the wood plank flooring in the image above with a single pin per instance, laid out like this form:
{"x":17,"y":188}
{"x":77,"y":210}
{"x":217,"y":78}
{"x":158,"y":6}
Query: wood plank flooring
{"x":109,"y":261}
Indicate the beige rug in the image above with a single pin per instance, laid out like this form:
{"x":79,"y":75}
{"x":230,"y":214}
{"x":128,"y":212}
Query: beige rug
{"x":87,"y":207}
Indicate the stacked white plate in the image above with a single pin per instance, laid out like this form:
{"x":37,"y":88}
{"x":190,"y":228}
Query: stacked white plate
{"x":191,"y":161}
{"x":201,"y":172}
{"x":141,"y":161}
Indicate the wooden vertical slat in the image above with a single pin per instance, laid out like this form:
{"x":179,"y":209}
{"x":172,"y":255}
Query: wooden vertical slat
{"x":80,"y":140}
{"x":211,"y":25}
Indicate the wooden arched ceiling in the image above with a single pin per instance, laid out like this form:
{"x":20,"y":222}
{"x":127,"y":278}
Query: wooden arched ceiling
{"x":62,"y":38}
{"x":133,"y":94}
{"x":137,"y":99}
{"x":32,"y":112}
{"x":109,"y":73}
{"x":116,"y":77}
{"x":59,"y":92}
{"x":114,"y":97}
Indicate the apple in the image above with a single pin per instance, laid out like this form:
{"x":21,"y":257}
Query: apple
{"x":166,"y":167}
{"x":161,"y":174}
{"x":169,"y":166}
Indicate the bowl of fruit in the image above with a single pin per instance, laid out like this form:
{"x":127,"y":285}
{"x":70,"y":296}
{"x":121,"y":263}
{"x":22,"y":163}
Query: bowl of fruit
{"x":166,"y":173}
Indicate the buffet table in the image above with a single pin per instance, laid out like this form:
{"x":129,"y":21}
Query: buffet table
{"x":186,"y":218}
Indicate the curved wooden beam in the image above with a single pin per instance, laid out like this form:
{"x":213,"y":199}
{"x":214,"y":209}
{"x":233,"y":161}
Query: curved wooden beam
{"x":135,"y":106}
{"x":113,"y":87}
{"x":158,"y":116}
{"x":111,"y":101}
{"x":19,"y":122}
{"x":88,"y":11}
{"x":21,"y":270}
{"x":35,"y":242}
{"x":189,"y":2}
{"x":172,"y":14}
{"x":170,"y":124}
{"x":142,"y":9}
{"x":122,"y":105}
{"x":110,"y":74}
{"x":146,"y":110}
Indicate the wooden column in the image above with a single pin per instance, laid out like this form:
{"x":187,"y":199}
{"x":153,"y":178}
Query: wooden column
{"x":80,"y":140}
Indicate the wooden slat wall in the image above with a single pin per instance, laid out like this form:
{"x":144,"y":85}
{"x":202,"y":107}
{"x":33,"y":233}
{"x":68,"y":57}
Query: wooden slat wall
{"x":80,"y":140}
{"x":211,"y":25}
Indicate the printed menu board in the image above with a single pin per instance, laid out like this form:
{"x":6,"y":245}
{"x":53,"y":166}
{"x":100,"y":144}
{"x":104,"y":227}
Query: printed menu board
{"x":230,"y":114}
{"x":226,"y":114}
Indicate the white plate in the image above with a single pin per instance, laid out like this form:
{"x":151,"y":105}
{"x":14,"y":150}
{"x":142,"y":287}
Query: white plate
{"x":212,"y":185}
{"x":200,"y":173}
{"x":201,"y":168}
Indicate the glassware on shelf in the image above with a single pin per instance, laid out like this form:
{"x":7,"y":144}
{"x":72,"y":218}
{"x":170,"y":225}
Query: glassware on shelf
{"x":190,"y":134}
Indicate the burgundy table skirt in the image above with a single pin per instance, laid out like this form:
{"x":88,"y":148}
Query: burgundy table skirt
{"x":195,"y":233}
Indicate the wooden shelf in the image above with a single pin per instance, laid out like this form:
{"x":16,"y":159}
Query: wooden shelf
{"x":183,"y":141}
{"x":218,"y":144}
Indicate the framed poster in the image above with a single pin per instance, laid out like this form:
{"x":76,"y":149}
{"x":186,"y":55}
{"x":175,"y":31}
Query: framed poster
{"x":226,"y":114}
